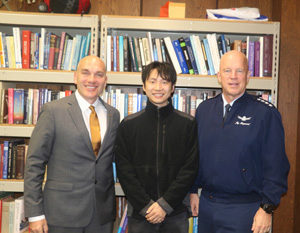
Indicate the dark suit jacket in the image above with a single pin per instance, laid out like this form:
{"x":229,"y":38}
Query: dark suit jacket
{"x":77,"y":181}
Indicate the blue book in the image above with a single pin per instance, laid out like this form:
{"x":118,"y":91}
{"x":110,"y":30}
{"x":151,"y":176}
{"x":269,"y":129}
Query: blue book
{"x":121,"y":53}
{"x":195,"y":224}
{"x":88,"y":42}
{"x":18,"y":106}
{"x":76,"y":52}
{"x":114,"y":171}
{"x":188,"y":44}
{"x":175,"y":101}
{"x":115,"y":53}
{"x":139,"y":102}
{"x":5,"y":159}
{"x":82,"y":48}
{"x":144,"y":101}
{"x":154,"y":50}
{"x":68,"y":54}
{"x":180,"y":57}
{"x":125,"y":104}
{"x":5,"y":50}
{"x":47,"y":50}
{"x":224,"y":47}
{"x":36,"y":52}
{"x":209,"y":58}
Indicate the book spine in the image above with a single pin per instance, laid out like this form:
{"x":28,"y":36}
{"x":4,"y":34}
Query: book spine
{"x":267,"y":55}
{"x":5,"y":159}
{"x":180,"y":57}
{"x":256,"y":58}
{"x":17,"y":43}
{"x":186,"y":55}
{"x":26,"y":42}
{"x":61,"y":49}
{"x":10,"y":106}
{"x":191,"y":55}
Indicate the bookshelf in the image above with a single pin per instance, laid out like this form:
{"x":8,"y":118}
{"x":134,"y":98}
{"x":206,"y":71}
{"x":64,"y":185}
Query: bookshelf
{"x":162,"y":27}
{"x":72,"y":24}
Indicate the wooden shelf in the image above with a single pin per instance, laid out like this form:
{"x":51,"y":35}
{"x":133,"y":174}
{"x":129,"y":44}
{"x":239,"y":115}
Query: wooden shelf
{"x":10,"y":185}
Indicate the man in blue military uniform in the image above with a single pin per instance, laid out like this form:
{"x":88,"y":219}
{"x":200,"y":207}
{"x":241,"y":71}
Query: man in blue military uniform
{"x":243,"y":165}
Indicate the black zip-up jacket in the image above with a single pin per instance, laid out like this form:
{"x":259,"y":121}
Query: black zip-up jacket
{"x":157,"y":158}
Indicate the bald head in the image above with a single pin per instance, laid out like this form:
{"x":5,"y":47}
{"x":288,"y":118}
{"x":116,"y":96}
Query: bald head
{"x":90,"y":59}
{"x":236,"y":55}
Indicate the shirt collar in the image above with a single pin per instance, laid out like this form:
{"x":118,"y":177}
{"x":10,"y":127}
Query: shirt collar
{"x":83,"y":104}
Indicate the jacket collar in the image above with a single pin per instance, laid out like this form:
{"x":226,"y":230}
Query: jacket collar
{"x":163,"y":111}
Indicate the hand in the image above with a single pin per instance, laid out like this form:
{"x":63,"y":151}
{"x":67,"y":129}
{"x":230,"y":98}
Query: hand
{"x":39,"y":226}
{"x":261,"y":222}
{"x":194,"y":202}
{"x":155,"y":214}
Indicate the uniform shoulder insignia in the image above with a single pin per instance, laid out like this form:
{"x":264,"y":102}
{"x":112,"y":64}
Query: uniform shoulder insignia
{"x":261,"y":100}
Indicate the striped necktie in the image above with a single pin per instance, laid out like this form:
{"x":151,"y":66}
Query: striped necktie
{"x":95,"y":131}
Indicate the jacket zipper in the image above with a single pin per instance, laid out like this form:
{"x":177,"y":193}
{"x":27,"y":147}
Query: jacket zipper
{"x":157,"y":152}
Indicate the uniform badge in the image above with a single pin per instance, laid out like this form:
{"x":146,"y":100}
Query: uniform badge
{"x":243,"y":120}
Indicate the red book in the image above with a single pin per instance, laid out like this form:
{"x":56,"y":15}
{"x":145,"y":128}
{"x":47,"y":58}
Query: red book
{"x":52,"y":51}
{"x":61,"y":49}
{"x":267,"y":55}
{"x":26,"y":37}
{"x":10,"y":106}
{"x":68,"y":92}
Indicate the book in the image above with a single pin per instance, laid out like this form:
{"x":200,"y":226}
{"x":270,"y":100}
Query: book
{"x":149,"y":37}
{"x":132,"y":54}
{"x":199,"y":55}
{"x":256,"y":58}
{"x":146,"y":50}
{"x":17,"y":44}
{"x":26,"y":42}
{"x":20,"y":222}
{"x":10,"y":105}
{"x":126,"y":54}
{"x":191,"y":55}
{"x":185,"y":55}
{"x":209,"y":57}
{"x":5,"y":53}
{"x":20,"y":161}
{"x":214,"y":51}
{"x":267,"y":55}
{"x":18,"y":113}
{"x":5,"y":159}
{"x":42,"y":47}
{"x":172,"y":55}
{"x":7,"y":214}
{"x":180,"y":56}
{"x":76,"y":54}
{"x":2,"y":54}
{"x":251,"y":58}
{"x":67,"y":38}
{"x":11,"y":51}
{"x":56,"y":52}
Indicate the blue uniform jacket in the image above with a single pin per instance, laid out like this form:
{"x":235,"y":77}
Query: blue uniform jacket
{"x":244,"y":156}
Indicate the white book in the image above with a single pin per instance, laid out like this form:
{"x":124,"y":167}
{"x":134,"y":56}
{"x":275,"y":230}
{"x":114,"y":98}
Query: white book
{"x":42,"y":48}
{"x":146,"y":49}
{"x":172,"y":54}
{"x":213,"y":46}
{"x":17,"y":43}
{"x":108,"y":53}
{"x":29,"y":105}
{"x":195,"y":53}
{"x":158,"y":48}
{"x":20,"y":222}
{"x":261,"y":56}
{"x":142,"y":51}
{"x":150,"y":45}
{"x":200,"y":55}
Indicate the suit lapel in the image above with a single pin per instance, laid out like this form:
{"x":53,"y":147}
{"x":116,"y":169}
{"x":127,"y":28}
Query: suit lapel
{"x":76,"y":115}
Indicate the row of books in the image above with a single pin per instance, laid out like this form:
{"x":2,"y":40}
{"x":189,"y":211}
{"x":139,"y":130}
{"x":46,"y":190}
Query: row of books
{"x":130,"y":100}
{"x":189,"y":55}
{"x":42,"y":50}
{"x":12,"y":158}
{"x":22,"y":106}
{"x":12,"y":217}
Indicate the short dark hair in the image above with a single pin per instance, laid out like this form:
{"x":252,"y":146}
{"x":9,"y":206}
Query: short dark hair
{"x":164,"y":69}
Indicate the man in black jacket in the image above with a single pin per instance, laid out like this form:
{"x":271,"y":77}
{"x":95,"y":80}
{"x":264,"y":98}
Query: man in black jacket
{"x":156,"y":157}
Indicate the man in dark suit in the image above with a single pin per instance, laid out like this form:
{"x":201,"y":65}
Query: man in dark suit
{"x":79,"y":192}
